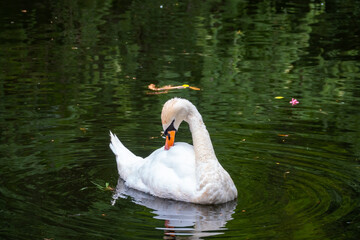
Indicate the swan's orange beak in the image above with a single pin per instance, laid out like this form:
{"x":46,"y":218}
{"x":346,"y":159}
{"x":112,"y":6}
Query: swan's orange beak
{"x":170,"y":139}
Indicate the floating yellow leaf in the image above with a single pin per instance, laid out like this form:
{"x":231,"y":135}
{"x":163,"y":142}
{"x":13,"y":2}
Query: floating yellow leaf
{"x":279,"y":97}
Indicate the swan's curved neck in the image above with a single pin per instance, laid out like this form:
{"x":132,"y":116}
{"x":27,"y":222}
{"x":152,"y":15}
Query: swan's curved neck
{"x":204,"y":151}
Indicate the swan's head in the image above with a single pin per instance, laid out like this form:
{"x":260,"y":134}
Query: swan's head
{"x":173,"y":113}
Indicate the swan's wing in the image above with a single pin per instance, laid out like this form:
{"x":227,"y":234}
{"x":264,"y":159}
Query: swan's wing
{"x":127,"y":162}
{"x":168,"y":173}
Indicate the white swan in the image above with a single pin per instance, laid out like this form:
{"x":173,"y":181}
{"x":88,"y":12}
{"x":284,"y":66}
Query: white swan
{"x":179,"y":171}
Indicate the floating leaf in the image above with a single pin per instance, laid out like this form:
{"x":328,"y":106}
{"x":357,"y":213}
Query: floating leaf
{"x":283,"y":135}
{"x":106,"y":188}
{"x":194,"y":88}
{"x":165,"y":89}
{"x":279,"y":97}
{"x":158,"y":92}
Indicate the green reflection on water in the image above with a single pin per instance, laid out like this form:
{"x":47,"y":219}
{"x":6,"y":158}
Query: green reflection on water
{"x":71,"y":70}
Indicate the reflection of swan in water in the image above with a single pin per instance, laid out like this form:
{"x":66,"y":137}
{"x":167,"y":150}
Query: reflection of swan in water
{"x":181,"y":218}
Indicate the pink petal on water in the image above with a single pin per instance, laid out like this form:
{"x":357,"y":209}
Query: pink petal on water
{"x":294,"y":101}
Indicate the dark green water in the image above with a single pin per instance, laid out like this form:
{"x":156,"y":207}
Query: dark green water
{"x":70,"y":71}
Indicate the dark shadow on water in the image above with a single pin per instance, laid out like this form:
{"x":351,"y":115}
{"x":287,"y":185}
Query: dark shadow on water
{"x":181,"y":218}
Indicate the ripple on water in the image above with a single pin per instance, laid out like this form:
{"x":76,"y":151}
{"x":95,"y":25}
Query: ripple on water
{"x":297,"y":184}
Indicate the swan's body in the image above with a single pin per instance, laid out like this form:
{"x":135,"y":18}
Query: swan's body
{"x":183,"y":172}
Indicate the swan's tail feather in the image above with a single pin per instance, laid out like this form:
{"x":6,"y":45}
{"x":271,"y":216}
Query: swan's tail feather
{"x":115,"y":144}
{"x":121,"y":152}
{"x":126,"y":160}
